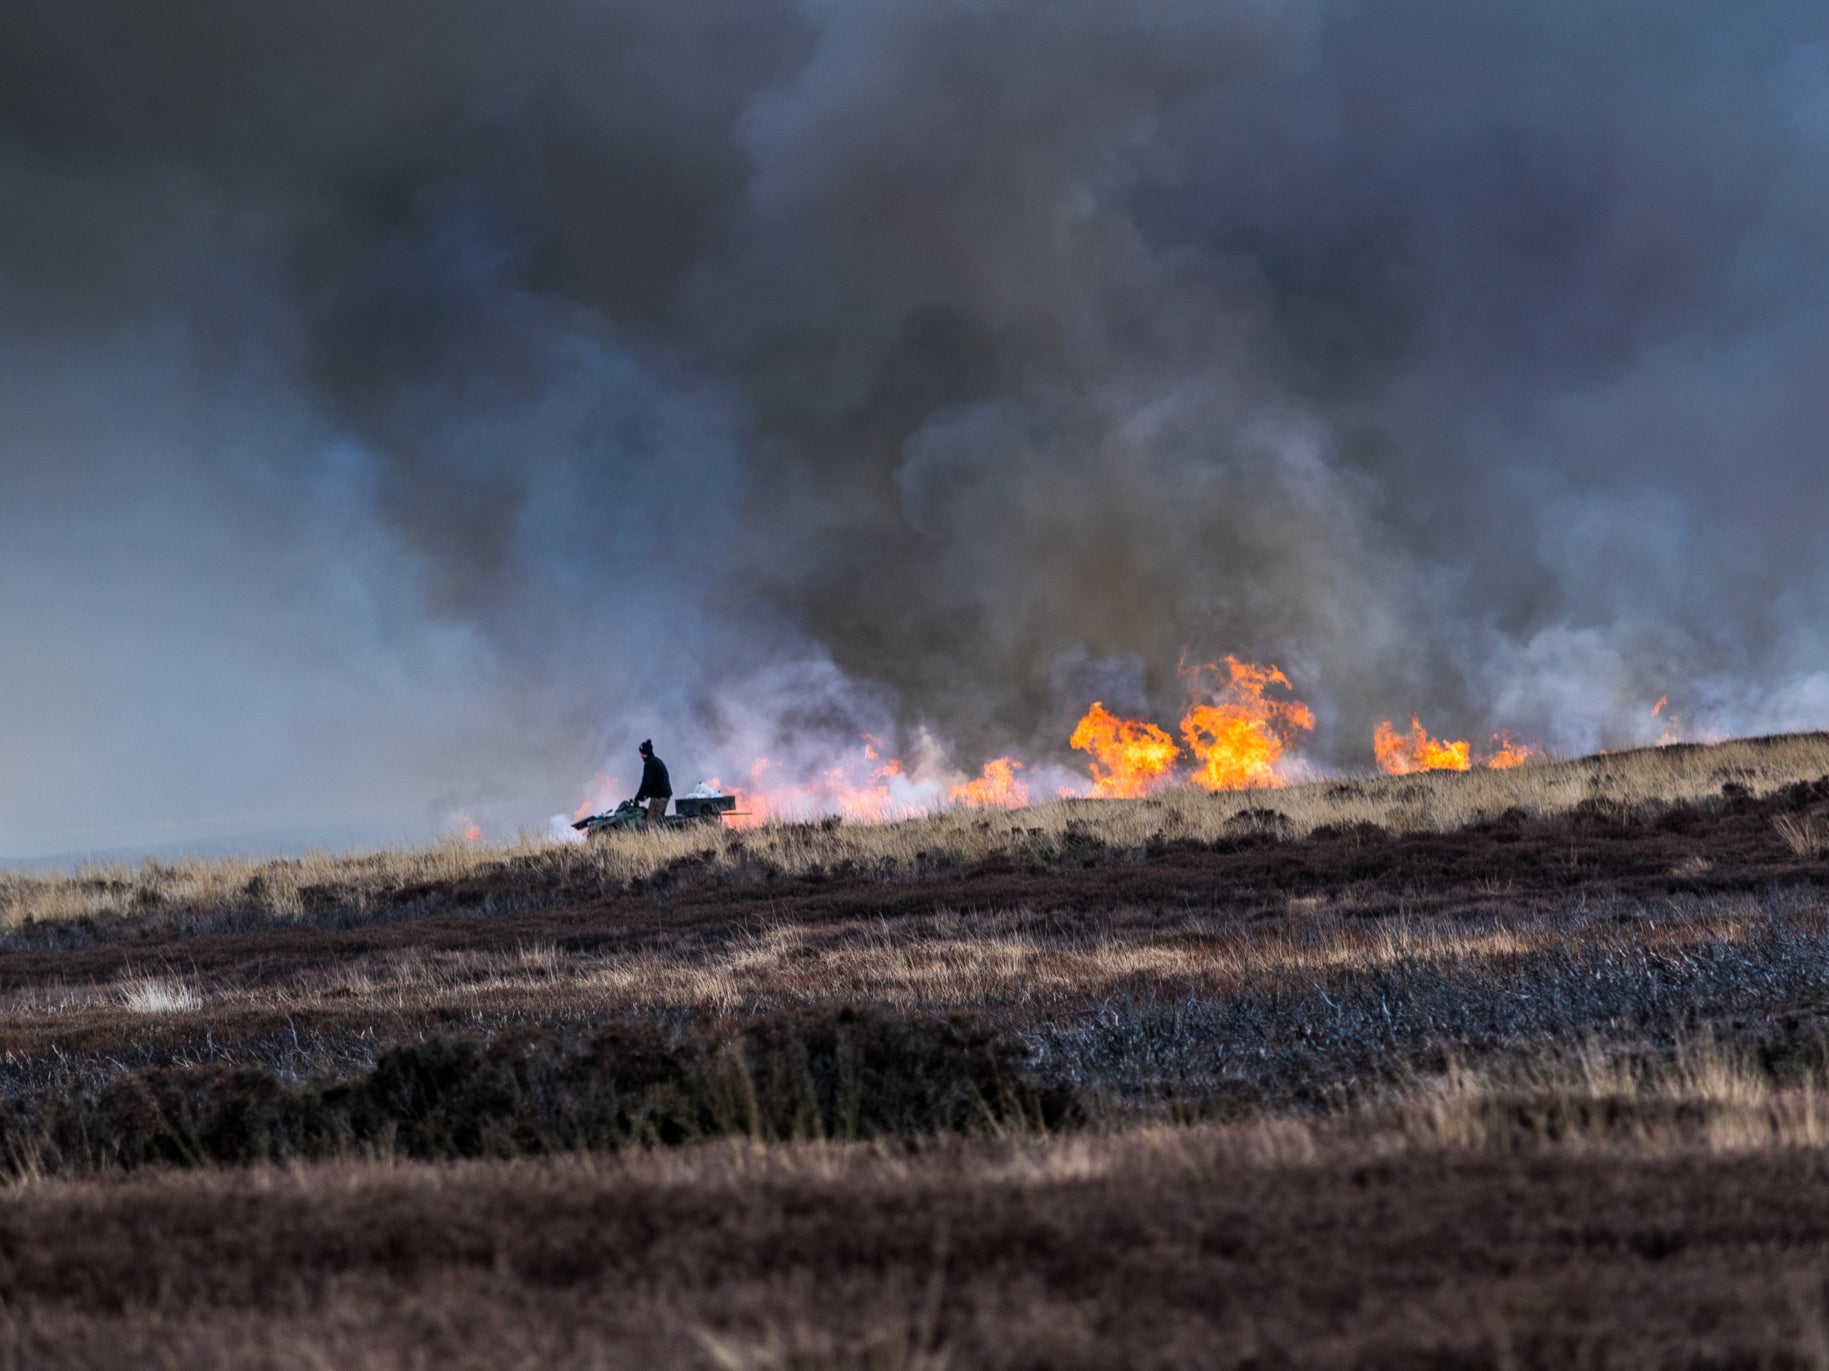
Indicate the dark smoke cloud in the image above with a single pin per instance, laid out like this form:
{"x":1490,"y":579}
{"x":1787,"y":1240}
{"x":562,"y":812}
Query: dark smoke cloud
{"x":405,"y":407}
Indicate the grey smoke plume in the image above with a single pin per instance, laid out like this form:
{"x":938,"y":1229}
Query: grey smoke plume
{"x":406,"y":407}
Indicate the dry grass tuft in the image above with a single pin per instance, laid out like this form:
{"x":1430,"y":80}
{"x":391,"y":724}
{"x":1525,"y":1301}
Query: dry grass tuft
{"x":1705,"y":1097}
{"x":1807,"y":835}
{"x":151,"y":995}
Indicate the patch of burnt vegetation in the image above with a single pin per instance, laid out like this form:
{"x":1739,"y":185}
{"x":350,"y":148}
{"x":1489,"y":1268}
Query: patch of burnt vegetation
{"x":854,"y":1074}
{"x":1322,"y":1039}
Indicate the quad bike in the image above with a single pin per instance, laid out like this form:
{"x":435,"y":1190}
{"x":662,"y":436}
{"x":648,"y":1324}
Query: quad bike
{"x":689,"y":811}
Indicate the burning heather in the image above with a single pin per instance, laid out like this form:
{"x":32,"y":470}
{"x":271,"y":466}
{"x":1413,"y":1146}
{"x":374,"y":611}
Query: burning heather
{"x":1401,"y":753}
{"x":1130,"y":757}
{"x":1239,"y":736}
{"x":1235,"y":735}
{"x":997,"y":788}
{"x":1509,"y":752}
{"x":863,"y":784}
{"x":1241,"y":729}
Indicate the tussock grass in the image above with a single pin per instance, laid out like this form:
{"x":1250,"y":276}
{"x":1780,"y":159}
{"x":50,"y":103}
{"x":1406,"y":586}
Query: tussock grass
{"x":1706,"y":1096}
{"x":1807,"y":835}
{"x":152,"y":995}
{"x":534,"y":872}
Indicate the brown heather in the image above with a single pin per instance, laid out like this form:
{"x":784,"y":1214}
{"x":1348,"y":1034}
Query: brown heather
{"x":1224,"y":1245}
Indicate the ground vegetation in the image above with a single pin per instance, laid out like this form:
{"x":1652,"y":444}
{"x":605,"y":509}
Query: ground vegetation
{"x":1523,"y":1068}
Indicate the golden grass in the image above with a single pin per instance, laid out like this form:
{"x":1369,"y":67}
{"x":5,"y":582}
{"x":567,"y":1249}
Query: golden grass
{"x":1807,"y":835}
{"x":1705,"y":1097}
{"x":1429,"y":802}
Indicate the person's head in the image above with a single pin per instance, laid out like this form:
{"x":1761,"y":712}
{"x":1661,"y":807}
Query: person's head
{"x":647,"y":747}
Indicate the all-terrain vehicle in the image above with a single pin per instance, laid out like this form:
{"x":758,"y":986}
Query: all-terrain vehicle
{"x":689,"y":811}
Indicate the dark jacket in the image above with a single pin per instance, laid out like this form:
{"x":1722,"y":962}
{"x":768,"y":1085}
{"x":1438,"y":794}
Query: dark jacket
{"x":654,"y":782}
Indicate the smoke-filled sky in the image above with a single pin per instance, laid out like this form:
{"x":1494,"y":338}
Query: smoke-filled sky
{"x":406,"y":406}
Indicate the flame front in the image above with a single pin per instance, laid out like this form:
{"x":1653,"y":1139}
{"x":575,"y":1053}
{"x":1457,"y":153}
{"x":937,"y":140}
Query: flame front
{"x":870,"y":789}
{"x":1238,"y":734}
{"x":599,"y":795}
{"x":997,"y":788}
{"x":1129,"y":756}
{"x":1511,"y":753}
{"x":1401,"y":753}
{"x":869,"y":800}
{"x":1239,"y":737}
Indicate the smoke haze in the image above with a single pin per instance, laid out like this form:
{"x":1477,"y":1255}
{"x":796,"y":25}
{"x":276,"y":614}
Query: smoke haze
{"x":407,"y":407}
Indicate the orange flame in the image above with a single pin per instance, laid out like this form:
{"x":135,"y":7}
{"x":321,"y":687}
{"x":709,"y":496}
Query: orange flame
{"x":855,"y":791}
{"x":1239,"y":738}
{"x":873,"y":750}
{"x":869,"y":803}
{"x":1129,"y":756}
{"x":1511,"y":753}
{"x":871,"y":800}
{"x":997,"y":788}
{"x":749,"y":812}
{"x":467,"y":828}
{"x":603,"y":791}
{"x":1399,"y":754}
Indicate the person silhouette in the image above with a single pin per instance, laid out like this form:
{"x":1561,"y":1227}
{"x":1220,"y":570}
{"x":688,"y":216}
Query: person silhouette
{"x":656,"y":786}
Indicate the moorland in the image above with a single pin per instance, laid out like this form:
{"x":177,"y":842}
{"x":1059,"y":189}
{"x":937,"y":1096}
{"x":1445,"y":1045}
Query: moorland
{"x":1496,"y":1068}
